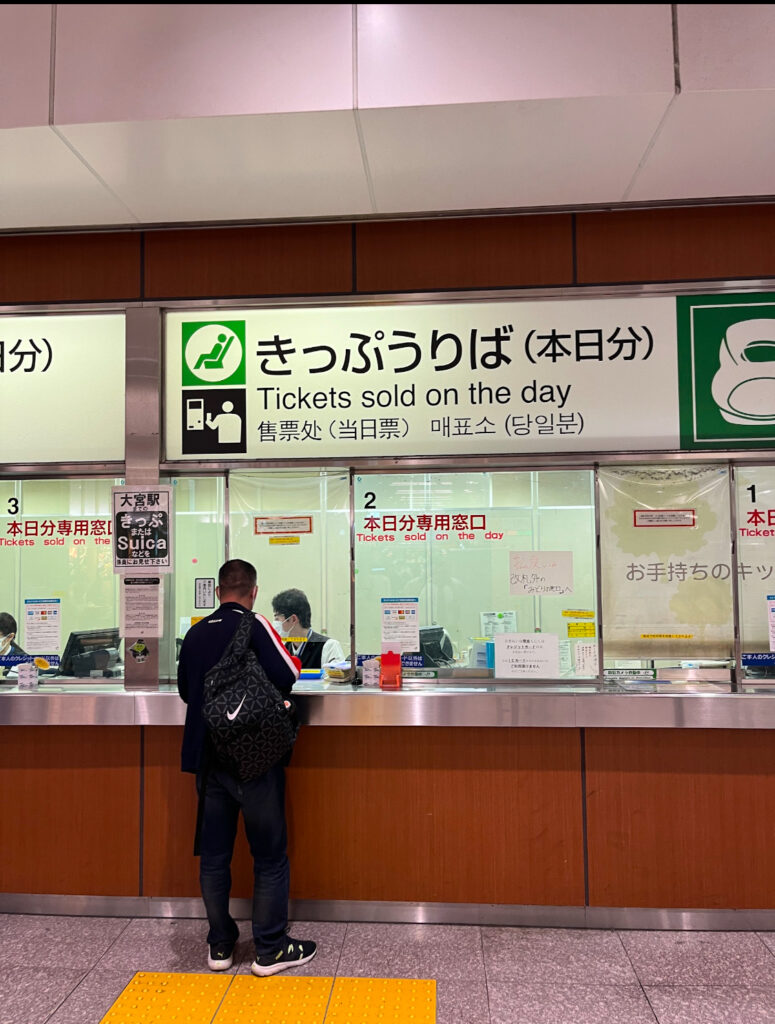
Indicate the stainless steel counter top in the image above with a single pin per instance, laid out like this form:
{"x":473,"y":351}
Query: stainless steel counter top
{"x":498,"y":703}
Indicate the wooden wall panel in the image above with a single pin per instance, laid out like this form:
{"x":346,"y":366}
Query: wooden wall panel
{"x":306,"y":259}
{"x":475,"y":252}
{"x":70,"y":810}
{"x":443,"y":815}
{"x":96,"y":267}
{"x":447,"y":815}
{"x":693,"y":243}
{"x":681,"y":818}
{"x":169,"y":865}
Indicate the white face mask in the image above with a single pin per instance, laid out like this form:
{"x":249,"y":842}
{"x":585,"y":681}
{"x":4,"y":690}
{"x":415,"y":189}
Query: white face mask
{"x":5,"y":643}
{"x":279,"y":625}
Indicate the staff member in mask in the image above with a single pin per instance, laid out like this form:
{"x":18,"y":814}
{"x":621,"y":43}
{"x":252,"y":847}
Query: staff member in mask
{"x":292,"y":618}
{"x":8,"y":629}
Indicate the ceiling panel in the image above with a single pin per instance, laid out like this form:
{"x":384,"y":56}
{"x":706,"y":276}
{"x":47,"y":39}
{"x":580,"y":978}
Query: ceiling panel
{"x":500,"y":155}
{"x":726,"y":46}
{"x":134,"y":62}
{"x":230,"y":168}
{"x":712,"y":144}
{"x":44,"y":184}
{"x":421,"y":54}
{"x":25,"y":57}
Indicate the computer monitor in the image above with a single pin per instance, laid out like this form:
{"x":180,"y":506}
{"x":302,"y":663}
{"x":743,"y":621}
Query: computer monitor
{"x":436,"y":646}
{"x":90,"y":650}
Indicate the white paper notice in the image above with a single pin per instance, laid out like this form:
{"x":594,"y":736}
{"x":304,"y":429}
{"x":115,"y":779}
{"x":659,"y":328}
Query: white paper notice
{"x":204,"y":592}
{"x":498,"y":622}
{"x":523,"y":655}
{"x":401,"y":623}
{"x":586,"y":659}
{"x":566,"y":662}
{"x":664,"y":517}
{"x":282,"y":524}
{"x":42,"y":625}
{"x":142,"y":606}
{"x":540,"y":573}
{"x":771,"y":619}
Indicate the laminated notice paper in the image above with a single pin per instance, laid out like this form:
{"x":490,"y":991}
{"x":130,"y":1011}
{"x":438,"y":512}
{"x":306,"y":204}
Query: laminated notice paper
{"x":42,"y":624}
{"x":400,"y":623}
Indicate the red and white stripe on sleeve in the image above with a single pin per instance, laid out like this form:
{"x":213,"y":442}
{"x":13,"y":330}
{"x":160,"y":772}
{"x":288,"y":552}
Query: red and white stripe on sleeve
{"x":279,"y":665}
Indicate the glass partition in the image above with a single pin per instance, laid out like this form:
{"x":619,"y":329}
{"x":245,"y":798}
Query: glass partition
{"x":199,"y":538}
{"x":56,"y":574}
{"x":755,"y":494}
{"x":471,"y":555}
{"x":474,"y":555}
{"x":295,"y":528}
{"x":666,"y":567}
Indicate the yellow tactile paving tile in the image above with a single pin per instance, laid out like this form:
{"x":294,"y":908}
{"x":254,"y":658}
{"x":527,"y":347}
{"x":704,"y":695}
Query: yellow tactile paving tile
{"x":382,"y":1001}
{"x":156,"y":998}
{"x":275,"y":1001}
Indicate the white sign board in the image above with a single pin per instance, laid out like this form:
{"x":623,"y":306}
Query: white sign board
{"x":436,"y":379}
{"x":142,"y":529}
{"x":540,"y":573}
{"x":400,"y":623}
{"x":527,"y":655}
{"x":142,"y":606}
{"x":62,"y":387}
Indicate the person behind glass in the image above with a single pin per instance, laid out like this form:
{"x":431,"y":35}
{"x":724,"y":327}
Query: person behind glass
{"x":8,"y":630}
{"x":262,"y":800}
{"x":292,"y":618}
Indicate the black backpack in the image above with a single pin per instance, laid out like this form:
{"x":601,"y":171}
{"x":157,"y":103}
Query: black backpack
{"x":249,"y":725}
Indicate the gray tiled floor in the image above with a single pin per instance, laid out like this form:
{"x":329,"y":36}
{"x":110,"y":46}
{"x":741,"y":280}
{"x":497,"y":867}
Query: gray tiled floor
{"x":59,"y":970}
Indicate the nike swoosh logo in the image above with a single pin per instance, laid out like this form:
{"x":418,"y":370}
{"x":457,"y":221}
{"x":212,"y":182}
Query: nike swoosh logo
{"x":231,"y":715}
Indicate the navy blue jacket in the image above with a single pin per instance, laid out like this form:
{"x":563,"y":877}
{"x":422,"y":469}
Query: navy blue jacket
{"x":203,"y":646}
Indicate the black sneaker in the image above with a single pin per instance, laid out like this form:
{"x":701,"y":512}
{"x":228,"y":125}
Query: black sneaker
{"x":220,"y":956}
{"x":293,"y":954}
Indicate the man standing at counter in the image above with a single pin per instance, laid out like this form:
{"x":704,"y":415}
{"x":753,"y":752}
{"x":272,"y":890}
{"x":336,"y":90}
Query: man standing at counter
{"x":262,"y":800}
{"x":292,"y":618}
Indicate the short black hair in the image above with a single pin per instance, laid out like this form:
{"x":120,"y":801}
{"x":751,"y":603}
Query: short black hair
{"x":7,"y":624}
{"x":237,"y":577}
{"x":293,"y":602}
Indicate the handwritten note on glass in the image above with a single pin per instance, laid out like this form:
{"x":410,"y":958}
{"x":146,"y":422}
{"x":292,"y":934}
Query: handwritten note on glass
{"x":541,"y":573}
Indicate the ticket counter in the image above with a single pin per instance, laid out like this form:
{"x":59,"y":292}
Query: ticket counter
{"x":584,"y":730}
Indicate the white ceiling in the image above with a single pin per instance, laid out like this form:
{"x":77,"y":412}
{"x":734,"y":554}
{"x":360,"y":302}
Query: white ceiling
{"x":176,"y":113}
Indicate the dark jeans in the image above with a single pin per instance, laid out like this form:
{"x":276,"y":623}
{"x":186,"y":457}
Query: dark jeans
{"x":262,"y":802}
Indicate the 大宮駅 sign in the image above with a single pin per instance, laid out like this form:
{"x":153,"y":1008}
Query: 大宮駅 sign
{"x":482,"y":378}
{"x":142,"y":529}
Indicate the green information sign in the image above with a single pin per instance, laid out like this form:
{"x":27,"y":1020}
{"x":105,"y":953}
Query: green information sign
{"x":214,"y":352}
{"x":726,"y":370}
